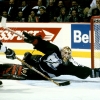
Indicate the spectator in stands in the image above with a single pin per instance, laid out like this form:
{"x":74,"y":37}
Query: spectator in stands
{"x":84,"y":3}
{"x":63,"y":16}
{"x":1,"y":6}
{"x":55,"y":3}
{"x":25,"y":8}
{"x":95,"y":12}
{"x":85,"y":12}
{"x":60,"y":4}
{"x":48,"y":2}
{"x":95,"y":6}
{"x":20,"y":17}
{"x":37,"y":8}
{"x":32,"y":17}
{"x":4,"y":14}
{"x":50,"y":10}
{"x":43,"y":15}
{"x":74,"y":17}
{"x":76,"y":7}
{"x":12,"y":9}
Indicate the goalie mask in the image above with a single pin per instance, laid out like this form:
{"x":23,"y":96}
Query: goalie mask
{"x":66,"y":53}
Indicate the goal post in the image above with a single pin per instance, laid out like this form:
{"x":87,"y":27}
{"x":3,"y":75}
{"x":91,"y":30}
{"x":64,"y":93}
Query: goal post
{"x":95,"y":41}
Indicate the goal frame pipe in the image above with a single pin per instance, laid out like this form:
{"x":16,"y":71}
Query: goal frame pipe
{"x":92,"y":43}
{"x":92,"y":39}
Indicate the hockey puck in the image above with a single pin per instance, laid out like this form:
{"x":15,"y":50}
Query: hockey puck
{"x":64,"y":83}
{"x":1,"y":83}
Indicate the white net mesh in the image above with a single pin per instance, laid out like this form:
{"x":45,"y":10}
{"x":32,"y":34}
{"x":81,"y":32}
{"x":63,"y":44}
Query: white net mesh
{"x":96,"y":26}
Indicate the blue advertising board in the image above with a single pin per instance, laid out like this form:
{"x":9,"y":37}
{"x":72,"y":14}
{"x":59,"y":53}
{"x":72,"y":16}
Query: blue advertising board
{"x":80,"y":36}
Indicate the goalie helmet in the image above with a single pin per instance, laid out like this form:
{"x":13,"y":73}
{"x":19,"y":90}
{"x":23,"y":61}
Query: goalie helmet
{"x":66,"y":53}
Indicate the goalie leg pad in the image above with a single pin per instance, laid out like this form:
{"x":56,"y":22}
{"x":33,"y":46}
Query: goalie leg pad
{"x":11,"y":71}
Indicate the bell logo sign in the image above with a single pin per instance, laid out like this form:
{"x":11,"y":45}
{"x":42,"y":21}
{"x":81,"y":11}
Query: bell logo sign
{"x":79,"y":37}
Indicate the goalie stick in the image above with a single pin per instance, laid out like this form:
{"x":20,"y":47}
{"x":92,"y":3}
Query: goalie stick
{"x":32,"y":68}
{"x":3,"y":24}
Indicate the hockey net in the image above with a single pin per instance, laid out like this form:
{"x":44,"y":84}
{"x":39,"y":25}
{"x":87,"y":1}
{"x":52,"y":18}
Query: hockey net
{"x":95,"y":42}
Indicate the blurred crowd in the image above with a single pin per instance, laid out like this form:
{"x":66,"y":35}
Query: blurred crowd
{"x":49,"y":10}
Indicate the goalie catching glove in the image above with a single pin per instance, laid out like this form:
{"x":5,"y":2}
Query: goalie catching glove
{"x":10,"y":54}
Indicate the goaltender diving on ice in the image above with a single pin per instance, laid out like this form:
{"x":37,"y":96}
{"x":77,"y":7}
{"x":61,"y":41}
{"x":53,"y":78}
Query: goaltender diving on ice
{"x":53,"y":63}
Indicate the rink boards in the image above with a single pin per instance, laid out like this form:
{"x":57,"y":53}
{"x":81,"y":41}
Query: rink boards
{"x":75,"y":35}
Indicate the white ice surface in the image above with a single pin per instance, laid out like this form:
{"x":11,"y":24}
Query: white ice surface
{"x":79,"y":89}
